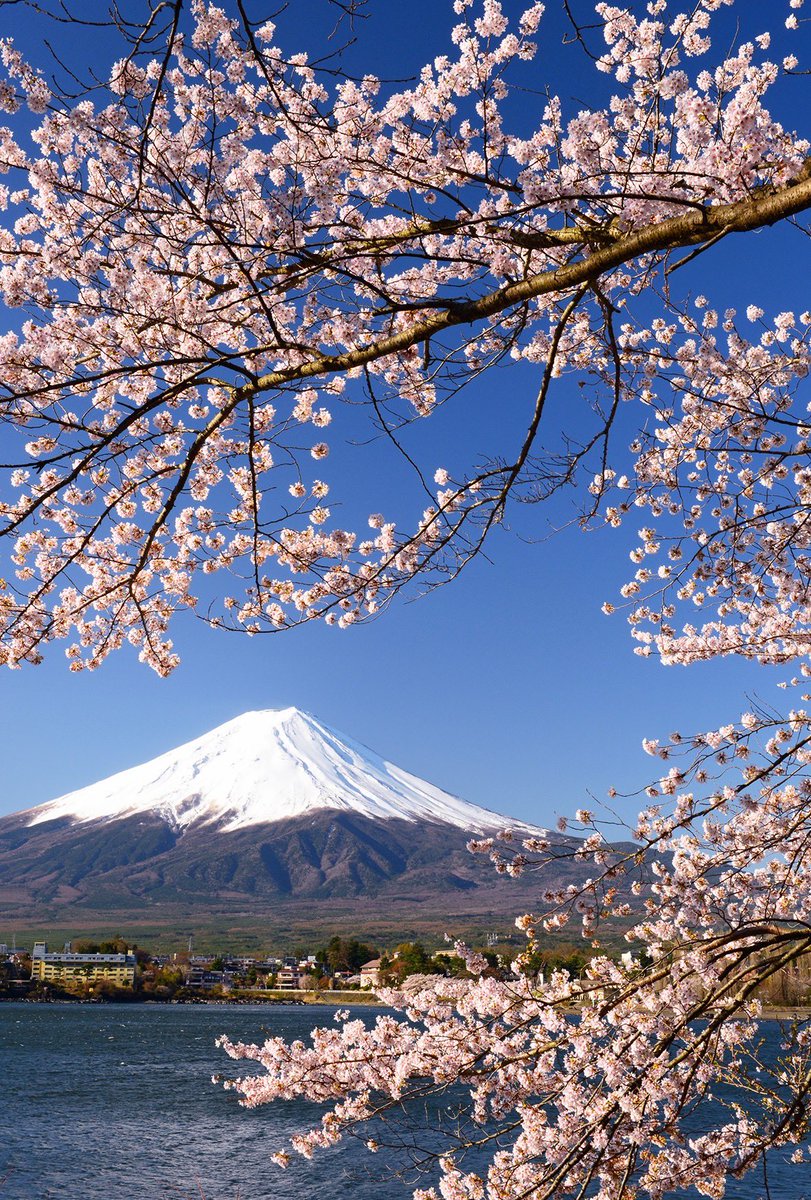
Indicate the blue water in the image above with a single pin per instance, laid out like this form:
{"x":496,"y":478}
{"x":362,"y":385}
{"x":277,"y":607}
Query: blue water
{"x":117,"y":1103}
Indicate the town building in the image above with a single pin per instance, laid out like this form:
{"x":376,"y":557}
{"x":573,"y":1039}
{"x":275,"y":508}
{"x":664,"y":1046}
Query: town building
{"x":370,"y":974}
{"x":199,"y":976}
{"x":68,"y":967}
{"x":288,"y":978}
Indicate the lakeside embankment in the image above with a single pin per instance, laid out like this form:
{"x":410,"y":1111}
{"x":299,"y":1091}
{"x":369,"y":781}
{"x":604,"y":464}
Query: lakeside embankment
{"x":291,"y":996}
{"x":288,"y":996}
{"x":798,"y":1012}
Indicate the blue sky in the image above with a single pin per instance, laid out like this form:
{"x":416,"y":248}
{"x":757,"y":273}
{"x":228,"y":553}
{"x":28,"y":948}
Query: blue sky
{"x":508,"y":686}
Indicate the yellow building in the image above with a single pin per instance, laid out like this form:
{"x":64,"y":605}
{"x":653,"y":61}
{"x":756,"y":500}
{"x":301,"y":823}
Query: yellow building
{"x":69,"y":968}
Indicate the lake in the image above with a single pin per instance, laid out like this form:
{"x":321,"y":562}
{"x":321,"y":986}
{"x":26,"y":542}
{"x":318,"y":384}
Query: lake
{"x":116,"y":1102}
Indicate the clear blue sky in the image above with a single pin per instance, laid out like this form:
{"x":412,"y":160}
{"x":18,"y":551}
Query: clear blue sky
{"x":508,"y":687}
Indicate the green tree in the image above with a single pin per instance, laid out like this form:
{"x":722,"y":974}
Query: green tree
{"x":346,"y":954}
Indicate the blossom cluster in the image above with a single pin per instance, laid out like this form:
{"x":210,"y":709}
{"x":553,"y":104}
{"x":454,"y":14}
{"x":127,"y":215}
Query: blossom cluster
{"x":200,"y":281}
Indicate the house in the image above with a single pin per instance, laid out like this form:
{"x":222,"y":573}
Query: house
{"x":370,"y":974}
{"x":201,"y":977}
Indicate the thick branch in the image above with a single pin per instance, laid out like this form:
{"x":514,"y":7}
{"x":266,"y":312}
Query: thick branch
{"x":690,"y":229}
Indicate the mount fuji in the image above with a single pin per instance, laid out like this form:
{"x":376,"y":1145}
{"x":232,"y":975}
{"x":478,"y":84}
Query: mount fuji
{"x":265,"y":767}
{"x":272,"y":818}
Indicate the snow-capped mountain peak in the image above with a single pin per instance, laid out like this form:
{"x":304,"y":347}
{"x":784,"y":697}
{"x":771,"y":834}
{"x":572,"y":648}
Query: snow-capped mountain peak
{"x":262,"y":767}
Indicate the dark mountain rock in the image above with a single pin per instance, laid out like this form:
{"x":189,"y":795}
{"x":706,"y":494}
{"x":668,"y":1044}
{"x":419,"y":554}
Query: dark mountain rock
{"x":318,"y":856}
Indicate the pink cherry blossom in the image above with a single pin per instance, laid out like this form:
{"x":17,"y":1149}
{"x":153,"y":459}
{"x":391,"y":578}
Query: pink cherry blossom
{"x":227,"y":250}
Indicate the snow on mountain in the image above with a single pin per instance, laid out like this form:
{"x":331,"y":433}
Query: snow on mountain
{"x":267,"y":766}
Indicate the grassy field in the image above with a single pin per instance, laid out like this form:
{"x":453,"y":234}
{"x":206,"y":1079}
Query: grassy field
{"x":281,"y":929}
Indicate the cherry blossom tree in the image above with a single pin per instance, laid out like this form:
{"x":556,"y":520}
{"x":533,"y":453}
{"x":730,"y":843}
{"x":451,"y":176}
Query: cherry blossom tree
{"x":222,"y":251}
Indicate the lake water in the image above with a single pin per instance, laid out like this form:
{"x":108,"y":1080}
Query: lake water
{"x":117,"y":1103}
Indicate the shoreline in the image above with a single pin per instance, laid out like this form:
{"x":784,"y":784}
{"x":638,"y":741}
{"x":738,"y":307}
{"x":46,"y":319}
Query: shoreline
{"x":335,"y":999}
{"x":269,"y":999}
